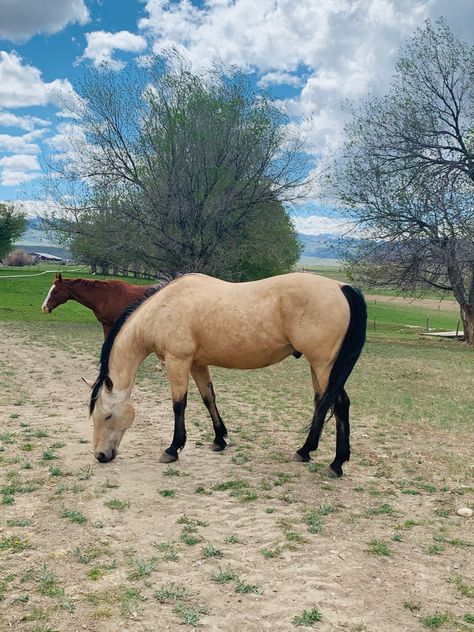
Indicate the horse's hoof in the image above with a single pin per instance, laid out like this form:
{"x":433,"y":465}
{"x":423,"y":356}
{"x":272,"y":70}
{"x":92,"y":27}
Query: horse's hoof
{"x":167,"y":458}
{"x":301,"y":459}
{"x":332,"y":473}
{"x":215,"y":447}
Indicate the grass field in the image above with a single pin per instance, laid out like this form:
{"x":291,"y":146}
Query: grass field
{"x":247,"y":539}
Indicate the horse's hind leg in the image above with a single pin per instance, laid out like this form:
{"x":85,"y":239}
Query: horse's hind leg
{"x":202,"y":377}
{"x":178,"y":375}
{"x":343,"y":449}
{"x":312,"y":440}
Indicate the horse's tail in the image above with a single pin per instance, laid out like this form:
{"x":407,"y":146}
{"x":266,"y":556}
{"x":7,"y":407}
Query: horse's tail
{"x":349,"y":352}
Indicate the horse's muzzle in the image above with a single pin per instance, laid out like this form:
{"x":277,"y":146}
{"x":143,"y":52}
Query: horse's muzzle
{"x":105,"y":457}
{"x":45,"y":310}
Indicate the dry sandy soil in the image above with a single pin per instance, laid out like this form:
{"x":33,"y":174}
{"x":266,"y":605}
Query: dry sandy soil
{"x":286,"y":538}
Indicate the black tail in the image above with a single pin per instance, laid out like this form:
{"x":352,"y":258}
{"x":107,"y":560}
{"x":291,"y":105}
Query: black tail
{"x":348,"y":353}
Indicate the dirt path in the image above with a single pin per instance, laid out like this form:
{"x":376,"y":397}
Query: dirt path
{"x":429,"y":303}
{"x":284,"y":538}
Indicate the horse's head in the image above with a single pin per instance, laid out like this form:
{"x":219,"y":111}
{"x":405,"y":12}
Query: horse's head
{"x":112,"y":414}
{"x":57,"y":295}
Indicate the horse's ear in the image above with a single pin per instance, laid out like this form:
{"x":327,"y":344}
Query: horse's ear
{"x":89,"y":383}
{"x":108,"y":384}
{"x":59,"y":276}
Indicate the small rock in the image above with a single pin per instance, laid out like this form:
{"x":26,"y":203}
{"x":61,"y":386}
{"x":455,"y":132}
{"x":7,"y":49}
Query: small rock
{"x":464,"y":511}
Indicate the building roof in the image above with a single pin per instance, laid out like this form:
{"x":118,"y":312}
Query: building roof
{"x":45,"y":255}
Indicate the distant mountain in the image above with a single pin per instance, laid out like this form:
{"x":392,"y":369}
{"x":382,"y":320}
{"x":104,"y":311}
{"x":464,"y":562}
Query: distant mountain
{"x":35,"y":239}
{"x":323,"y":246}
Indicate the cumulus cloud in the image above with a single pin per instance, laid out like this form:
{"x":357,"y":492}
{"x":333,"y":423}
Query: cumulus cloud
{"x":22,"y":143}
{"x":318,"y":224}
{"x":18,"y":169}
{"x":27,"y":123}
{"x":102,"y":45}
{"x":21,"y":85}
{"x":279,"y":77}
{"x":21,"y":19}
{"x":347,"y":46}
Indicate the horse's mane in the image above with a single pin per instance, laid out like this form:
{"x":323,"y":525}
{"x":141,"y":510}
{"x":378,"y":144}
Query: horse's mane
{"x":103,"y":377}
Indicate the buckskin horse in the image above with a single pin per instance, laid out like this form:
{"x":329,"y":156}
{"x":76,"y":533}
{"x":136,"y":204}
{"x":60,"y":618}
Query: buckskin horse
{"x":195,"y":321}
{"x":107,"y":299}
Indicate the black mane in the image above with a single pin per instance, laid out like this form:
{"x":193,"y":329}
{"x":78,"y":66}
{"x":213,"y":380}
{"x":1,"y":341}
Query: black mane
{"x":103,"y":376}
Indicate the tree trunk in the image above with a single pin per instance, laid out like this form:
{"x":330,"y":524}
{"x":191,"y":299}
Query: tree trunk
{"x":467,"y":317}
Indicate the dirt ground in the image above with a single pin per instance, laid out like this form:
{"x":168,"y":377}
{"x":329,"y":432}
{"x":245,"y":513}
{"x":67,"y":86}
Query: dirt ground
{"x":255,"y":538}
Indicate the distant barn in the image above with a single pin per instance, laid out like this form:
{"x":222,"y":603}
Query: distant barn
{"x":44,"y":256}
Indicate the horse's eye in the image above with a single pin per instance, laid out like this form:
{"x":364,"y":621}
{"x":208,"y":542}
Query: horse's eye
{"x":108,"y":417}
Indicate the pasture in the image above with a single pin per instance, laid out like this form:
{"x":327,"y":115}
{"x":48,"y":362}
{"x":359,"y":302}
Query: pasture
{"x":246,"y":539}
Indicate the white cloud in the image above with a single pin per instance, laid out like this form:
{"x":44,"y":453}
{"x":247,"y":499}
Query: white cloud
{"x":18,"y":169}
{"x":22,"y":143}
{"x":21,"y":85}
{"x":347,"y":47}
{"x":318,"y":224}
{"x":28,"y":123}
{"x":102,"y":45}
{"x":279,"y":77}
{"x":21,"y":19}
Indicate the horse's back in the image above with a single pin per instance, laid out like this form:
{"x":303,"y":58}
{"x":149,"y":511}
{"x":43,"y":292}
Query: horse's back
{"x":248,"y":324}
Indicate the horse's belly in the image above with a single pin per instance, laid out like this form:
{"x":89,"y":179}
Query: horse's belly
{"x":243,"y":358}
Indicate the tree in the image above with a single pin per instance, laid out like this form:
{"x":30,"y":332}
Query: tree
{"x":193,"y":163}
{"x":12,"y":227}
{"x":406,"y":172}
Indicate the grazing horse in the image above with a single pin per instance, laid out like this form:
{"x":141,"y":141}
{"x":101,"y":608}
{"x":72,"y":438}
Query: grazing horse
{"x":195,"y":321}
{"x":107,"y":299}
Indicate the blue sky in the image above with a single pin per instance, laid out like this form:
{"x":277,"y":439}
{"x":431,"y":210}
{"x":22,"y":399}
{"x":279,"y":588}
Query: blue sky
{"x":311,"y":55}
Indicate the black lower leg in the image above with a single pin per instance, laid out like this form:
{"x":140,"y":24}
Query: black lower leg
{"x":179,"y":436}
{"x":220,"y":431}
{"x":312,"y":440}
{"x":343,"y":450}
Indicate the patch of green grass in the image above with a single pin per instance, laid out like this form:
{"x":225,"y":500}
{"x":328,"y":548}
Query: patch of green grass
{"x":171,"y":593}
{"x":55,"y":471}
{"x":271,"y":553}
{"x":465,"y":589}
{"x":14,"y":544}
{"x":74,"y":516}
{"x":379,"y":547}
{"x":380,"y":510}
{"x":469,"y":617}
{"x":129,"y":599}
{"x":169,"y":551}
{"x":435,"y":620}
{"x":190,"y":539}
{"x":171,"y":471}
{"x":85,"y":473}
{"x":190,"y":613}
{"x":245,"y":588}
{"x":18,"y":522}
{"x":142,"y":568}
{"x":49,"y":455}
{"x":232,"y":539}
{"x":307,"y":618}
{"x":48,"y":584}
{"x":223,"y":576}
{"x":116,"y":504}
{"x":209,"y":550}
{"x":168,"y":493}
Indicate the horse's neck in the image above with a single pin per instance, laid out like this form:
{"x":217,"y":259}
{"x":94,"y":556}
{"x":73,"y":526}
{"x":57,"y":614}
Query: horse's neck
{"x":85,"y":294}
{"x":128,"y":352}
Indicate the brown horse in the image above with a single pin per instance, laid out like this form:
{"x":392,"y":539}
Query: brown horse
{"x":196,"y":321}
{"x":107,"y":299}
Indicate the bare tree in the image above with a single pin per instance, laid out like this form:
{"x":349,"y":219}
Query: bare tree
{"x":407,"y":173}
{"x":186,"y":162}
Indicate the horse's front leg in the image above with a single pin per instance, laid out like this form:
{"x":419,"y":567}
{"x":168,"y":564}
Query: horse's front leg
{"x":178,"y":375}
{"x":202,"y":377}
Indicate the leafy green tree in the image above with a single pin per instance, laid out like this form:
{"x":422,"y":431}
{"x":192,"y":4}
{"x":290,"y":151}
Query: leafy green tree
{"x":407,"y":173}
{"x":196,"y":164}
{"x":12,"y":227}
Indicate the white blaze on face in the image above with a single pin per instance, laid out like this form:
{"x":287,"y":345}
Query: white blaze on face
{"x":45,"y":302}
